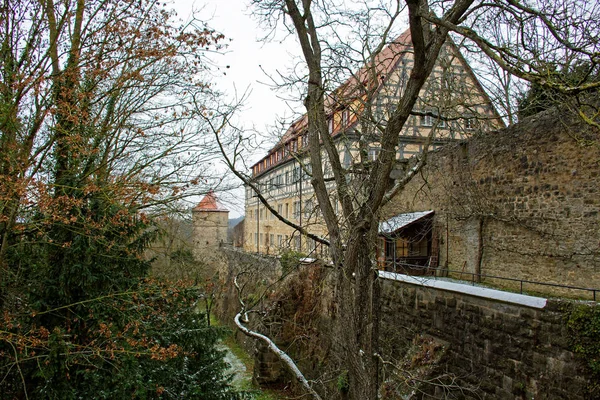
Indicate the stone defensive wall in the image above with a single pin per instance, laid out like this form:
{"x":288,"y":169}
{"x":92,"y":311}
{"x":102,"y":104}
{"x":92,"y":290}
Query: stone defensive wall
{"x":439,"y":338}
{"x":491,"y":344}
{"x":523,"y":203}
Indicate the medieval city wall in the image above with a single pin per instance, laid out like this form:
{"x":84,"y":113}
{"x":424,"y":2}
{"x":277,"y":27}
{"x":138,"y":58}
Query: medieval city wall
{"x":437,"y":337}
{"x":492,"y":348}
{"x":520,"y":203}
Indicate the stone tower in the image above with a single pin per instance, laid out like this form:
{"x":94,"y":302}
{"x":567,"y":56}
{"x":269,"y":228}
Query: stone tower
{"x":210,"y":222}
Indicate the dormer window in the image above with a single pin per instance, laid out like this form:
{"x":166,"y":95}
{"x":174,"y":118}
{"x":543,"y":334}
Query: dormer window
{"x":345,"y":118}
{"x":305,"y":140}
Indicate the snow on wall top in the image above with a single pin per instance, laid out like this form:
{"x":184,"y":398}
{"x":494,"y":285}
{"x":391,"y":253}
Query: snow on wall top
{"x":478,"y":291}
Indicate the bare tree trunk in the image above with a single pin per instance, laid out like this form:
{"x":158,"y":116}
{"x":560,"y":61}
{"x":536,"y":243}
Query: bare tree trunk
{"x":352,"y":243}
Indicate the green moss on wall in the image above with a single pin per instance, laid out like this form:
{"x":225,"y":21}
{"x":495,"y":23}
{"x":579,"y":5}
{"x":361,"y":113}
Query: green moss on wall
{"x":584,"y":326}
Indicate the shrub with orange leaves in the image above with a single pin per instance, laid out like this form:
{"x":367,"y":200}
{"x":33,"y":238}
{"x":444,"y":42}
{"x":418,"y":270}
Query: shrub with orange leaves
{"x":92,"y":108}
{"x":148,"y":342}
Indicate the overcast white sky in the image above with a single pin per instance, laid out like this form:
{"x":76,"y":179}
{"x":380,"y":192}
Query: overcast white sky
{"x":245,"y":55}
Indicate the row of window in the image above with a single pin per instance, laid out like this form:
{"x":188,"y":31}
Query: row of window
{"x":292,"y":147}
{"x":283,"y":242}
{"x":297,"y":143}
{"x":287,"y":181}
{"x":264,"y":214}
{"x":429,"y":121}
{"x":269,"y":240}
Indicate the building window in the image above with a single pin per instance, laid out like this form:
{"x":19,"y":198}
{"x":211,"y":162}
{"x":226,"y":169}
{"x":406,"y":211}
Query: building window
{"x":279,"y":241}
{"x":255,"y":238}
{"x":402,"y":247}
{"x":287,"y":210}
{"x":347,"y":159}
{"x":305,"y":140}
{"x":374,"y":153}
{"x":469,"y":124}
{"x":345,"y":118}
{"x":426,"y":120}
{"x":308,"y":207}
{"x":401,"y":154}
{"x":297,"y":243}
{"x":250,"y":214}
{"x":297,"y":209}
{"x":280,"y":209}
{"x":261,"y":214}
{"x":330,"y":125}
{"x":261,"y":239}
{"x":297,"y":173}
{"x":271,"y":240}
{"x":310,"y":245}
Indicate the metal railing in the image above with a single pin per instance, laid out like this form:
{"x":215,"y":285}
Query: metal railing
{"x":435,"y":272}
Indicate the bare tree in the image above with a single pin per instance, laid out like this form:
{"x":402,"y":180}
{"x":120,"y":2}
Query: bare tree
{"x":94,"y":92}
{"x":526,"y":38}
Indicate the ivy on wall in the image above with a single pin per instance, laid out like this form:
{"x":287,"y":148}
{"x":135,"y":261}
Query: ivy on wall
{"x":584,"y":326}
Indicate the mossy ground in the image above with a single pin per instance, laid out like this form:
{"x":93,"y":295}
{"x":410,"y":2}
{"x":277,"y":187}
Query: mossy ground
{"x":243,"y":380}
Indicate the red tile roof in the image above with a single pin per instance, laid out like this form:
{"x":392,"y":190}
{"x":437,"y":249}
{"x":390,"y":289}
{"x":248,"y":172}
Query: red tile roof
{"x":354,"y":87}
{"x":210,"y":204}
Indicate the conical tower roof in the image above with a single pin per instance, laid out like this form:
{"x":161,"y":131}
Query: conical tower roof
{"x":210,"y":204}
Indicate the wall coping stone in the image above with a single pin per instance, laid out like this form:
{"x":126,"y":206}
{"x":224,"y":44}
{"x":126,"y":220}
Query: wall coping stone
{"x":477,"y":291}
